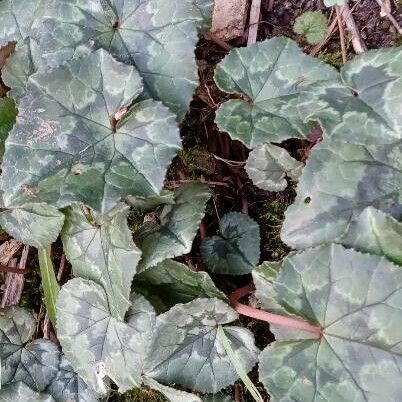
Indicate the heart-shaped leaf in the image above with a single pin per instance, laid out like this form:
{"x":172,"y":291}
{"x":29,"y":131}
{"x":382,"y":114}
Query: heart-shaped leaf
{"x":67,"y":145}
{"x":186,"y":350}
{"x":95,"y":342}
{"x":170,"y":283}
{"x":20,"y":392}
{"x":268,"y":165}
{"x":33,"y":362}
{"x":359,"y":354}
{"x":103,"y":252}
{"x":365,"y":105}
{"x":171,"y":394}
{"x":313,"y":25}
{"x":69,"y":386}
{"x":338,"y":182}
{"x":37,"y":225}
{"x":8,"y":113}
{"x":237,"y":250}
{"x":179,"y":223}
{"x":156,"y":36}
{"x":268,"y":77}
{"x":375,"y":232}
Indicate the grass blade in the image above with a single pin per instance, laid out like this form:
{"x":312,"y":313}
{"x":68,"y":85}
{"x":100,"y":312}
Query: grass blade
{"x":49,"y":283}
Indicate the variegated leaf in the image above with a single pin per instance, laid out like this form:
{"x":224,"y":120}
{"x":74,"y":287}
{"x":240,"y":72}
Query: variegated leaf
{"x":20,"y":392}
{"x":358,"y":357}
{"x":8,"y":113}
{"x":339,"y":181}
{"x":237,"y":250}
{"x":68,"y":386}
{"x":313,"y":25}
{"x":170,"y":282}
{"x":171,"y":394}
{"x":186,"y":350}
{"x":33,"y":362}
{"x":67,"y":146}
{"x":156,"y":36}
{"x":103,"y":252}
{"x":365,"y":105}
{"x":268,"y":165}
{"x":267,"y":77}
{"x":375,"y":232}
{"x":218,"y":398}
{"x":178,"y":225}
{"x":97,"y":344}
{"x":37,"y":225}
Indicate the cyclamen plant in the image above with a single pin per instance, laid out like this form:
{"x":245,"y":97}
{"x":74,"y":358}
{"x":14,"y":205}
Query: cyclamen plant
{"x":100,"y":87}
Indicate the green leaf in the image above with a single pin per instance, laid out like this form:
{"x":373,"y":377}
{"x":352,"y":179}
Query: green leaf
{"x":186,"y":350}
{"x":364,"y":105}
{"x":313,"y":25}
{"x":359,"y":355}
{"x":178,"y":226}
{"x":65,"y":148}
{"x":91,"y":337}
{"x":50,"y":285}
{"x":171,"y":394}
{"x":268,"y":165}
{"x":156,"y":36}
{"x":218,"y":398}
{"x":20,"y":392}
{"x":268,"y":77}
{"x":165,"y":198}
{"x":103,"y":252}
{"x":375,"y":232}
{"x":339,"y":181}
{"x":8,"y":114}
{"x":37,"y":225}
{"x":69,"y":386}
{"x":330,"y":3}
{"x":237,"y":250}
{"x":33,"y":362}
{"x":170,"y":283}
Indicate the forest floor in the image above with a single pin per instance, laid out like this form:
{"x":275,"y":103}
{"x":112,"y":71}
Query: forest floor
{"x":211,"y":156}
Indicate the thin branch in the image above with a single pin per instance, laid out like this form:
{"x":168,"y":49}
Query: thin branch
{"x":254,"y":22}
{"x":358,"y":45}
{"x":330,"y":32}
{"x":388,"y":14}
{"x":270,"y":317}
{"x":13,"y":270}
{"x":341,"y":33}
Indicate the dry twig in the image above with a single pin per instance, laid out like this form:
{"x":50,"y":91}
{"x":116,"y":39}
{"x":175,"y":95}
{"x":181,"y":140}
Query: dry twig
{"x":386,"y":10}
{"x":254,"y":22}
{"x":341,"y":33}
{"x":358,"y":45}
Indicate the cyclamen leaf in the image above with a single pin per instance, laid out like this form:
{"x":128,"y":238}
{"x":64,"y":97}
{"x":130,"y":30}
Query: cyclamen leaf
{"x":218,"y":398}
{"x":178,"y":226}
{"x":359,"y":355}
{"x":339,"y":181}
{"x":268,"y":76}
{"x":8,"y":114}
{"x":268,"y":165}
{"x":35,"y":363}
{"x":313,"y":25}
{"x":91,"y":336}
{"x":103,"y":252}
{"x":65,"y":130}
{"x":375,"y":232}
{"x":171,"y":394}
{"x":170,"y":283}
{"x":37,"y":225}
{"x":237,"y":250}
{"x":20,"y":392}
{"x":19,"y":19}
{"x":365,"y":105}
{"x":330,"y":3}
{"x":156,"y":36}
{"x":186,"y":350}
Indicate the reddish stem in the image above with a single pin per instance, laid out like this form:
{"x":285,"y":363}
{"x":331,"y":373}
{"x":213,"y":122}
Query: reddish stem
{"x":269,"y":317}
{"x":13,"y":270}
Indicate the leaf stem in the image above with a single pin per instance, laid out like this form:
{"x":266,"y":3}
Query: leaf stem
{"x":269,"y":317}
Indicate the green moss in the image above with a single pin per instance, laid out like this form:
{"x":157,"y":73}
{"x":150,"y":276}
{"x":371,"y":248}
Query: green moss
{"x":140,"y":395}
{"x":197,"y":161}
{"x":333,"y":58}
{"x":135,"y":219}
{"x":397,"y":39}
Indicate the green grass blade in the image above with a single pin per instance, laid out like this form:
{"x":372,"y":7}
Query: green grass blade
{"x":49,"y":283}
{"x":238,"y":366}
